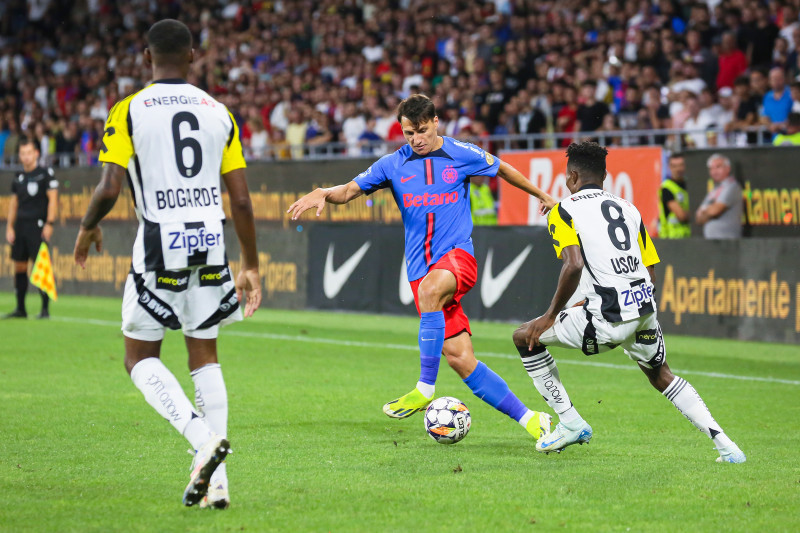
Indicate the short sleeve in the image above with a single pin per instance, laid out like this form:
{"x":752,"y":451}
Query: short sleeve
{"x":666,"y":195}
{"x":14,"y":185}
{"x":52,"y":181}
{"x":731,"y":194}
{"x":117,"y":144}
{"x":649,"y":254}
{"x":376,"y":176}
{"x":478,"y":161}
{"x":232,"y":155}
{"x":561,"y":228}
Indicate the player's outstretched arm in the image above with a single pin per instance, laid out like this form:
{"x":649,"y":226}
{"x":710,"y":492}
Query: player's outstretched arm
{"x":103,"y":199}
{"x":568,"y":281}
{"x":515,"y":178}
{"x":341,"y":194}
{"x":247,"y":282}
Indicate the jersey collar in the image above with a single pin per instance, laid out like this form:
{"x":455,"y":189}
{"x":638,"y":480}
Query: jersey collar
{"x":436,"y":153}
{"x":174,"y":81}
{"x":590,"y":186}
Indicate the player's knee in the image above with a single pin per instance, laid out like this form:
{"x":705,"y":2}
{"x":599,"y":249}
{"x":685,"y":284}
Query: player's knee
{"x":430,"y":297}
{"x":519,"y":336}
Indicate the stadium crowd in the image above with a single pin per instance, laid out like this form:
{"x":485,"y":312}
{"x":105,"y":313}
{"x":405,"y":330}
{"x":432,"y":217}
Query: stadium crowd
{"x":301,"y":73}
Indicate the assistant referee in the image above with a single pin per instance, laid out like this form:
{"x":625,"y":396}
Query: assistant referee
{"x":31,"y":215}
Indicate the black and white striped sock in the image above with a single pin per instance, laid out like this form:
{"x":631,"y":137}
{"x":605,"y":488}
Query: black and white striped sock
{"x":685,"y":398}
{"x":542,"y":369}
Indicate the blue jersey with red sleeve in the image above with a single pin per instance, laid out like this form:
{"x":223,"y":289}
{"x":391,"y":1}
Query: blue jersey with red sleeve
{"x":432,"y":192}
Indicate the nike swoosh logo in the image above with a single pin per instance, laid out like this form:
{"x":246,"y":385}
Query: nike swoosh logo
{"x":333,"y":279}
{"x":403,"y":180}
{"x":493,"y":287}
{"x":406,"y":296}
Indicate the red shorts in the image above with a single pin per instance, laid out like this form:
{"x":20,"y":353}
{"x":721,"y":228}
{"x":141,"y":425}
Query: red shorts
{"x":465,"y":269}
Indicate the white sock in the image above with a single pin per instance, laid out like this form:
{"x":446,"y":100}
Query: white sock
{"x":211,"y":399}
{"x":685,"y":398}
{"x":163,"y":392}
{"x":426,"y":389}
{"x":526,"y":418}
{"x":542,"y":369}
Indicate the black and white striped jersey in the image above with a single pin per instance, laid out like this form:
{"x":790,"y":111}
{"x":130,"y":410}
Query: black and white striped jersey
{"x":175,"y":142}
{"x":616,"y":252}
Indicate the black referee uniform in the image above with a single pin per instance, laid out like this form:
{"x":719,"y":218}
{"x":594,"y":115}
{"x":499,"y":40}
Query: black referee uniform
{"x":30,"y":188}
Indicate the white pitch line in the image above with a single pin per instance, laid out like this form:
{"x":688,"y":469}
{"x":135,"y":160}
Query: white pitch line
{"x":411,"y":348}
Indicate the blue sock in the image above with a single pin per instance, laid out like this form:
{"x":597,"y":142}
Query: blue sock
{"x":431,"y":340}
{"x":491,"y":388}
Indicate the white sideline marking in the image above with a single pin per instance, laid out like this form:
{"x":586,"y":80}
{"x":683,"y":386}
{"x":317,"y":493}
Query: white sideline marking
{"x":408,"y":347}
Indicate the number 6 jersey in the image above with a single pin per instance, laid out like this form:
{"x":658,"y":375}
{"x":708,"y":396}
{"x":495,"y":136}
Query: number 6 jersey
{"x":616,"y":252}
{"x":175,"y":141}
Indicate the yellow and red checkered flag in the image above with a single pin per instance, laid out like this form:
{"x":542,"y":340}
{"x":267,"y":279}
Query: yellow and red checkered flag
{"x":42,"y":273}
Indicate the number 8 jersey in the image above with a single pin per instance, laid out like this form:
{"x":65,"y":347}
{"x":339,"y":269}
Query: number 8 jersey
{"x":616,"y":252}
{"x":175,"y":142}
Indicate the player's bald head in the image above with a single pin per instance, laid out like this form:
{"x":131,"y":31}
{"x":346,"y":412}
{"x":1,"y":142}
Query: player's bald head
{"x":588,"y":159}
{"x":169,"y":42}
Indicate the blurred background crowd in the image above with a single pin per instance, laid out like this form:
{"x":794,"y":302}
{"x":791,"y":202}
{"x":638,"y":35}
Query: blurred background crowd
{"x":304,"y":74}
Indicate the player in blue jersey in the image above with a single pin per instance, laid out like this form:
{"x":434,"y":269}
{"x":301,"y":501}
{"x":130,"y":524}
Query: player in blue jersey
{"x":429,"y":178}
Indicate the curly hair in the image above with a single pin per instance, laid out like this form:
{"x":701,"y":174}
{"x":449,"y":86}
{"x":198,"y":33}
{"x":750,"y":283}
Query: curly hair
{"x":588,"y":158}
{"x":169,"y":37}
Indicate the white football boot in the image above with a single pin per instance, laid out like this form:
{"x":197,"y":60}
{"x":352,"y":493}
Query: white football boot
{"x":731,"y":454}
{"x":217,"y":496}
{"x":206,"y":460}
{"x":561,"y":437}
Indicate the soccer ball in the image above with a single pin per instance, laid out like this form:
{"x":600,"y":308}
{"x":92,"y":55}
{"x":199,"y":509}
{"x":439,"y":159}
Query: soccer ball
{"x":447,"y":420}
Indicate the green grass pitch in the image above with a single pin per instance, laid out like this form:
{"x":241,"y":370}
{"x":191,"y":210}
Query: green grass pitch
{"x":82,"y":451}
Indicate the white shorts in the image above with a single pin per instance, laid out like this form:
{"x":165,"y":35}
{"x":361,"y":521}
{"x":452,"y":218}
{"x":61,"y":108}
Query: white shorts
{"x":197,"y":299}
{"x":641,"y":338}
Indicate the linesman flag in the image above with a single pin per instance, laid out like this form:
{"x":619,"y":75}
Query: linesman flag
{"x":42,"y":273}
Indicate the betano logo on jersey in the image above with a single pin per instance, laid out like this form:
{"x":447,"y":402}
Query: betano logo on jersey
{"x":193,"y":240}
{"x":417,"y":200}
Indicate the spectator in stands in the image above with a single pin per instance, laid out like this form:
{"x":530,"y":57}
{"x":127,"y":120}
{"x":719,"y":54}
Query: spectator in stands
{"x":368,"y":140}
{"x":759,"y":86}
{"x":795,"y":92}
{"x":566,"y":120}
{"x":780,"y":54}
{"x":4,"y":133}
{"x":789,"y":23}
{"x":777,"y":102}
{"x":732,"y":62}
{"x":11,"y":146}
{"x":352,"y":127}
{"x":720,"y":213}
{"x":761,"y":37}
{"x":701,"y":57}
{"x":792,"y":135}
{"x":696,"y":123}
{"x":258,"y":145}
{"x":274,"y":57}
{"x":296,"y":133}
{"x":590,"y":112}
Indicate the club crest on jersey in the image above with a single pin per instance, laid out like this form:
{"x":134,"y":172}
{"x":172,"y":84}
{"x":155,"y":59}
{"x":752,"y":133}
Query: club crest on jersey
{"x":33,"y":188}
{"x":449,"y":174}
